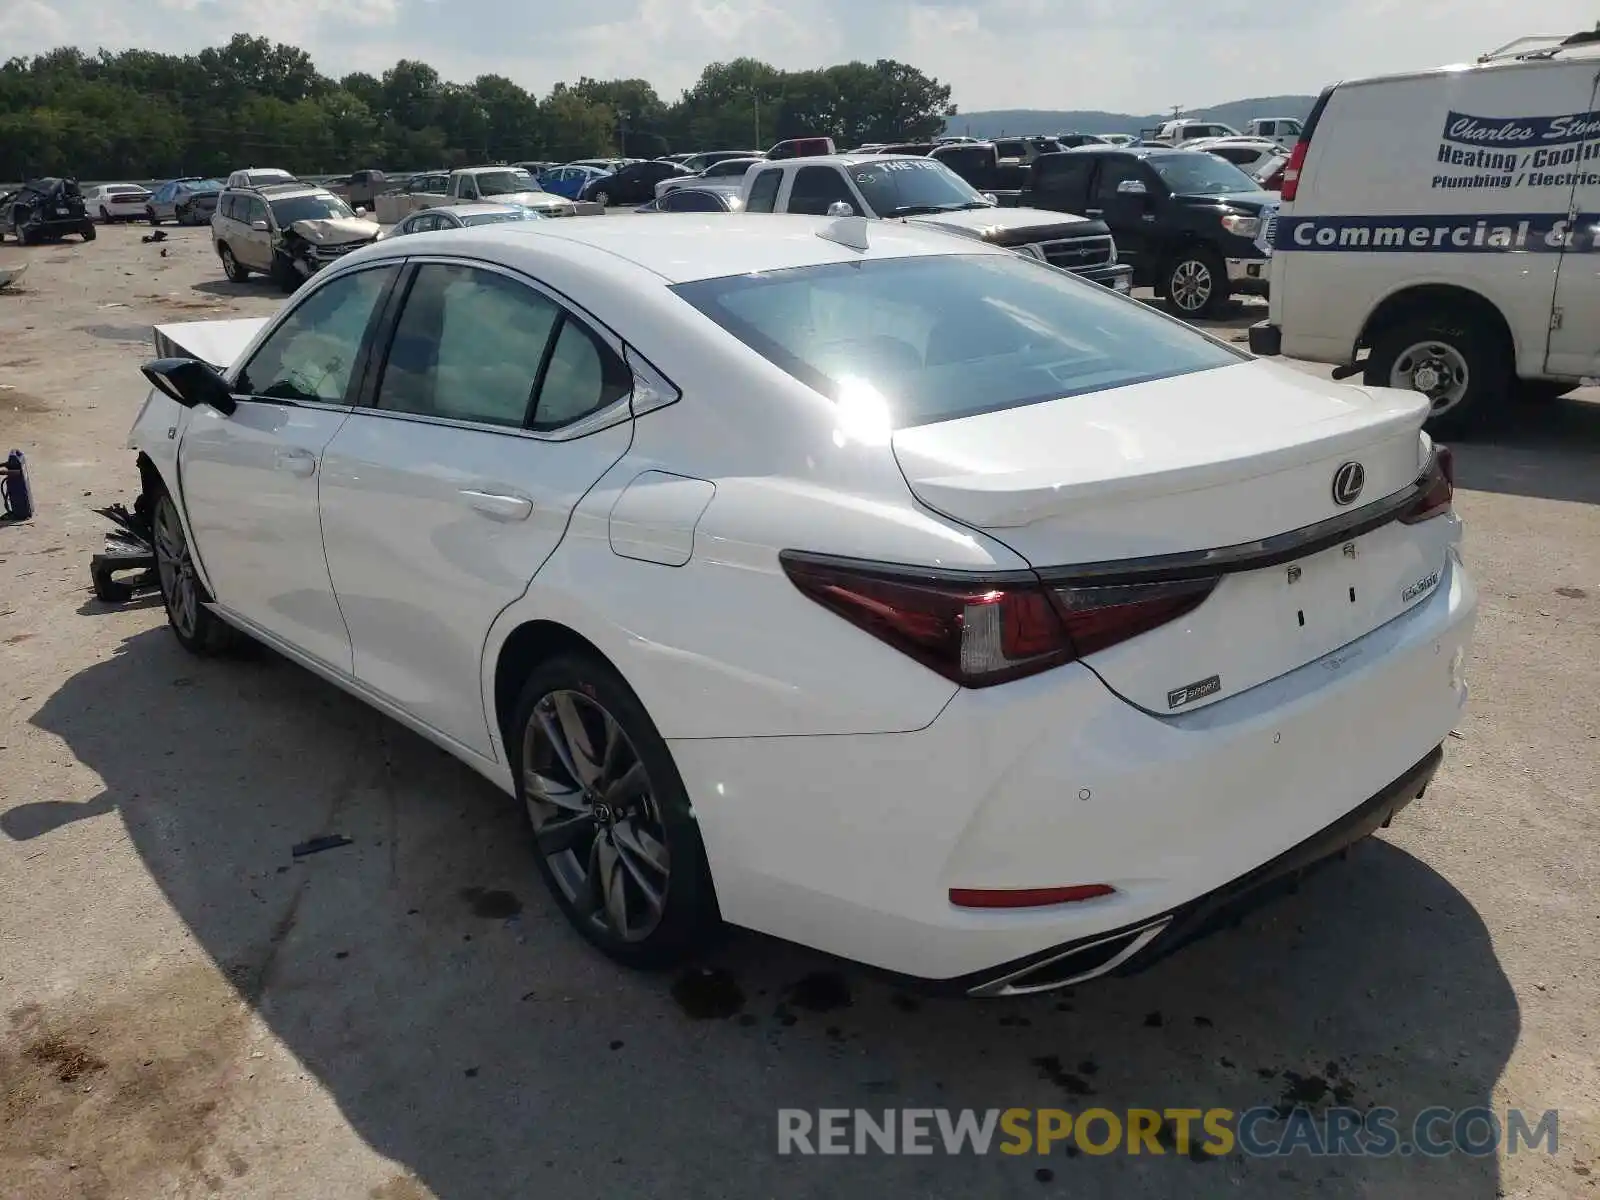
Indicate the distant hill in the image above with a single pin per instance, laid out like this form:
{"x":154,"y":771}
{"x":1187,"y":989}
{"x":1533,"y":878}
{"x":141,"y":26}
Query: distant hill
{"x":995,"y":122}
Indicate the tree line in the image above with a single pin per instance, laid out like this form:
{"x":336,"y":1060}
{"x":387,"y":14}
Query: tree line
{"x":140,"y":114}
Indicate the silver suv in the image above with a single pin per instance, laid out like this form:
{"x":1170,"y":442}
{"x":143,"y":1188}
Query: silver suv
{"x":286,"y":231}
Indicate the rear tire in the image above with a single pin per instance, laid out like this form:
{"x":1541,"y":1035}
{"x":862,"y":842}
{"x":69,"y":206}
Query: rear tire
{"x":1455,"y":356}
{"x":614,"y":836}
{"x":105,"y":217}
{"x":197,"y":629}
{"x":231,"y":266}
{"x":88,"y":231}
{"x":1195,"y":282}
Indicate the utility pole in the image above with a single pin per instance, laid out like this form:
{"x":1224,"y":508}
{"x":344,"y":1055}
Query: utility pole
{"x":1177,"y":111}
{"x":757,"y":98}
{"x":622,"y":132}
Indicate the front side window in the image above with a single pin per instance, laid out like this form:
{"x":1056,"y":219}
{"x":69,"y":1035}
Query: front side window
{"x":469,"y":346}
{"x":815,"y":188}
{"x":764,"y":191}
{"x":938,"y":337}
{"x":1112,"y":174}
{"x":906,"y":186}
{"x":312,"y":353}
{"x":1200,"y":174}
{"x":256,"y":210}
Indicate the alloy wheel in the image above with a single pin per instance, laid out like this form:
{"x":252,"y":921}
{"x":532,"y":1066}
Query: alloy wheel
{"x":1191,"y":285}
{"x":595,"y":815}
{"x":175,"y":567}
{"x":603,"y":198}
{"x":1436,"y":369}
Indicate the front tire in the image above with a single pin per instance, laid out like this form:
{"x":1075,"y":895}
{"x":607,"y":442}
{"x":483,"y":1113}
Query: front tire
{"x":1195,"y":283}
{"x":603,"y":198}
{"x":105,"y":217}
{"x":88,"y":231}
{"x":613,"y":834}
{"x":150,"y":215}
{"x":284,"y":275}
{"x":198,"y":631}
{"x":1456,"y":359}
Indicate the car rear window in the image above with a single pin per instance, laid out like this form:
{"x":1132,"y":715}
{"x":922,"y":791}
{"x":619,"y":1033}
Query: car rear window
{"x":950,"y":335}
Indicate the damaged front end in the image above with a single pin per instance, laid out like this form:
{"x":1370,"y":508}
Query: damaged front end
{"x":308,"y":246}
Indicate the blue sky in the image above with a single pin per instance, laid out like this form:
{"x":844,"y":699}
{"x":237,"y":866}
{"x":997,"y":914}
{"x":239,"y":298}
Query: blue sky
{"x":1122,"y":55}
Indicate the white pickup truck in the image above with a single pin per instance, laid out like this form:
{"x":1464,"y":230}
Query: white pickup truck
{"x":924,"y":191}
{"x":503,"y":185}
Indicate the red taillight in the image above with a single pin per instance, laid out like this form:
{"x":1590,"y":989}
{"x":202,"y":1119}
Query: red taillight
{"x":1291,"y":169}
{"x":980,"y":632}
{"x":1027,"y":897}
{"x":1438,"y":489}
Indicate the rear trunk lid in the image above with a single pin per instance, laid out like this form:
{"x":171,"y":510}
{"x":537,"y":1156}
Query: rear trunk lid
{"x":1084,"y":487}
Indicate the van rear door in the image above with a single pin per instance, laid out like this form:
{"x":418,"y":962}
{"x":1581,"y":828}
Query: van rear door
{"x":1574,"y":348}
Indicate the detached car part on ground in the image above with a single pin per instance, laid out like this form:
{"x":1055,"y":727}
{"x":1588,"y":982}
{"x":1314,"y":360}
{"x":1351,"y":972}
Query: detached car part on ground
{"x":1019,"y":634}
{"x":45,"y":210}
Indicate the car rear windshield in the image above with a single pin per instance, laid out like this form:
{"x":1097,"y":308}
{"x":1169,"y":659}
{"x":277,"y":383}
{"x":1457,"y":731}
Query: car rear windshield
{"x":898,"y":186}
{"x":309,"y":208}
{"x":949,"y":335}
{"x":496,"y":218}
{"x":1198,"y":173}
{"x":506,"y":183}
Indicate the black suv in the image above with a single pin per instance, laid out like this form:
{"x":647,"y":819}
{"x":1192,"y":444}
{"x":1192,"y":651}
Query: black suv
{"x":1194,"y":227}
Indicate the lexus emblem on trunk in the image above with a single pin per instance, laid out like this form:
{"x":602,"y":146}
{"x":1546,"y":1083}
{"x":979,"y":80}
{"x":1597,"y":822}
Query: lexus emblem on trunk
{"x":1348,"y":481}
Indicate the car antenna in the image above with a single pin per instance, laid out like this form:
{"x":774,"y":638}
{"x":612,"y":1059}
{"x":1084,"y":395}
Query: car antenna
{"x":847,"y":229}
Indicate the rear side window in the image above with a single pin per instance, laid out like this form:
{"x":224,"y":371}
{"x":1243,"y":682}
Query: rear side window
{"x":1063,"y":178}
{"x":764,"y":191}
{"x":468,"y":347}
{"x":918,"y":340}
{"x":1010,"y":149}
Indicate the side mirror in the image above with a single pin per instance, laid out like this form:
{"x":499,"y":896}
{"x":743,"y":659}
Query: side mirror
{"x":259,"y":226}
{"x":191,"y":383}
{"x":1132,"y":187}
{"x":992,"y":198}
{"x":840,"y":209}
{"x":361,"y":211}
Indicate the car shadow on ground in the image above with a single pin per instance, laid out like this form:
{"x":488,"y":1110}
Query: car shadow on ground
{"x":1546,"y":448}
{"x":254,"y":286}
{"x":423,"y":976}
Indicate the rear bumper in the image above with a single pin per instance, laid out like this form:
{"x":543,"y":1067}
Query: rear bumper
{"x":1130,"y":950}
{"x":851,"y":844}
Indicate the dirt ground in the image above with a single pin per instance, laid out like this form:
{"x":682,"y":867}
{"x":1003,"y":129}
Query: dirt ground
{"x":186,"y":1010}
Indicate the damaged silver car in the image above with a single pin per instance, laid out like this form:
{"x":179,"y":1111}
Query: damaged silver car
{"x":286,"y":231}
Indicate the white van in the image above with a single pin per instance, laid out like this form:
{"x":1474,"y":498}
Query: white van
{"x":1446,"y":224}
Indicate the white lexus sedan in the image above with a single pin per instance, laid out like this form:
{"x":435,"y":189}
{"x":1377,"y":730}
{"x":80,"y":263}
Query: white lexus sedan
{"x":852,"y":582}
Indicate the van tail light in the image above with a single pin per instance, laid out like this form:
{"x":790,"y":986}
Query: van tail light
{"x":1438,"y":488}
{"x":1292,"y":168}
{"x":979,"y":631}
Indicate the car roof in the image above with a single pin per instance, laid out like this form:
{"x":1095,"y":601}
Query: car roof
{"x":684,"y":247}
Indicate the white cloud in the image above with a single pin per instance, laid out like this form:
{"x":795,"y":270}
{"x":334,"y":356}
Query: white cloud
{"x":1122,"y":55}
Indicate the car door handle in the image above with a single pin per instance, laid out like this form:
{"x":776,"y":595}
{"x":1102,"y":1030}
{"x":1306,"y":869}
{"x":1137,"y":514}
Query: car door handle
{"x":498,"y":506}
{"x":1093,"y":212}
{"x":297,"y":462}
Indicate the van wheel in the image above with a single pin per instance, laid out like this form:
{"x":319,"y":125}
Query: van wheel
{"x":1456,"y":359}
{"x":614,"y":836}
{"x":231,"y":267}
{"x":1195,"y":282}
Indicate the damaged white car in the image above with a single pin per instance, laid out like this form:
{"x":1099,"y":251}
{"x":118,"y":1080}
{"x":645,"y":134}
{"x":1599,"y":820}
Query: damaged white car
{"x":286,"y":231}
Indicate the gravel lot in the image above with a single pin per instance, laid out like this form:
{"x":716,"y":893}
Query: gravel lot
{"x":186,"y":1011}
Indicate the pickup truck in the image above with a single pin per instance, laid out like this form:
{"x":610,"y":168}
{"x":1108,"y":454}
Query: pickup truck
{"x":1283,"y":130}
{"x":503,"y":185}
{"x":1176,"y":133}
{"x":1192,"y":225}
{"x":923,"y":191}
{"x":981,"y":165}
{"x":361,"y":188}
